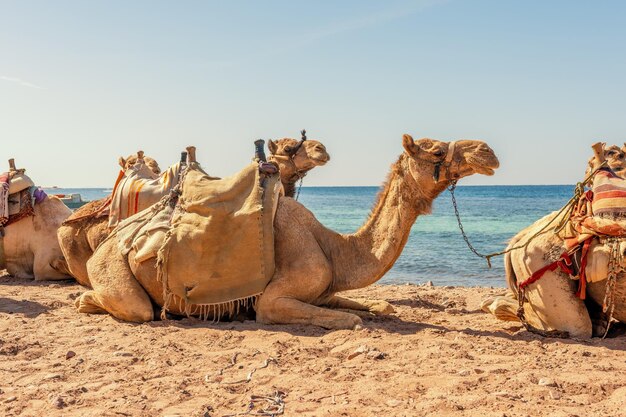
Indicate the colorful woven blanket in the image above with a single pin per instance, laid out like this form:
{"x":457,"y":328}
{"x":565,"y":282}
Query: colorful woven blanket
{"x":138,"y":189}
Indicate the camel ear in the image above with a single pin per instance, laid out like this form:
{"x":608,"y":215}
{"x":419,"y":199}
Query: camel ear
{"x":272,"y":146}
{"x":409,"y":145}
{"x":122,"y":162}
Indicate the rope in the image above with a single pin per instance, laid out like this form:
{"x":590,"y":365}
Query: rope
{"x":299,"y":187}
{"x":568,"y":208}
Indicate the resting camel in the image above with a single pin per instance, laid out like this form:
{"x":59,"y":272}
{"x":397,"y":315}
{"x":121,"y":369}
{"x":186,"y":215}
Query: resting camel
{"x":81,"y":234}
{"x":83,"y":231}
{"x":31,"y":249}
{"x":312,"y":263}
{"x":552,"y":304}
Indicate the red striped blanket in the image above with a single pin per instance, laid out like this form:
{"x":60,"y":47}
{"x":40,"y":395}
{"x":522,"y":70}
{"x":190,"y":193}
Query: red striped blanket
{"x":138,"y":189}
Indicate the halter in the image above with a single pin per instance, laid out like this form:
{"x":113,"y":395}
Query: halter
{"x":298,"y":173}
{"x":446,"y":163}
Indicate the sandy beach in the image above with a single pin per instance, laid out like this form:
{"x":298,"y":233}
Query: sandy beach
{"x":437,"y":355}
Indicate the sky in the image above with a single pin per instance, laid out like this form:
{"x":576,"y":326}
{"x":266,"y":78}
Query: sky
{"x":84,"y":82}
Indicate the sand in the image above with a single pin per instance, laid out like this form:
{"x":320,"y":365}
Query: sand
{"x":437,"y":355}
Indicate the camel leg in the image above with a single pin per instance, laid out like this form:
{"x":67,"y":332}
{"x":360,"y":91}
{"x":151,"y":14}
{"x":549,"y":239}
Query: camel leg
{"x":283,"y":310}
{"x":378,"y":307}
{"x":115,"y":289}
{"x":552,"y":305}
{"x":45,"y":266}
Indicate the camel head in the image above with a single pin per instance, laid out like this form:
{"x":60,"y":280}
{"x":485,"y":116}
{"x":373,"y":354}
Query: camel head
{"x":434,"y":164}
{"x":615,"y":158}
{"x":297,"y":157}
{"x":132,"y":160}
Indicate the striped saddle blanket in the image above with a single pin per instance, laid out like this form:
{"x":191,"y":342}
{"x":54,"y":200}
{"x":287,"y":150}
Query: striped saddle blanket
{"x":609,"y":194}
{"x":139,"y":188}
{"x":600,"y":211}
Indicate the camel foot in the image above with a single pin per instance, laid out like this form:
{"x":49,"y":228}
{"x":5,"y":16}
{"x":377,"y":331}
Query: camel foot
{"x":88,"y":304}
{"x":291,"y":311}
{"x":504,"y":307}
{"x":379,"y":307}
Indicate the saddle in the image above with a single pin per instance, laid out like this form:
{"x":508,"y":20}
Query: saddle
{"x":215,"y":247}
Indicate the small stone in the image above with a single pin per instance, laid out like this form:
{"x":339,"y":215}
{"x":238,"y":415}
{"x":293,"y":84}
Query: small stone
{"x":376,"y":354}
{"x":70,"y":354}
{"x":59,"y":402}
{"x":359,"y":351}
{"x":393,"y":403}
{"x":555,"y":395}
{"x":51,"y":376}
{"x":464,"y":372}
{"x":10,"y":399}
{"x":123,"y":354}
{"x":358,"y":327}
{"x":546,"y":382}
{"x":502,"y":394}
{"x":479,"y":371}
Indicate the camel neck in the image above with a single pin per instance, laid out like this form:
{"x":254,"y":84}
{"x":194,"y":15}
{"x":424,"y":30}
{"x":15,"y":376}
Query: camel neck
{"x":373,"y":249}
{"x":286,"y":165}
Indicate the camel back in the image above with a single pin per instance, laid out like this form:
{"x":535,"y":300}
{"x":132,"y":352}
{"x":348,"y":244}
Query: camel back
{"x":138,"y":189}
{"x":216,"y":248}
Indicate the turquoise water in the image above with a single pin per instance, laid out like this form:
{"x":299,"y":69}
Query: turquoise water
{"x":435,"y":250}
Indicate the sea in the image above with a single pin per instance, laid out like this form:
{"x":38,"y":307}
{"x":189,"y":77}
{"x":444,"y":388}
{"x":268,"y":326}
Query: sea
{"x":435,"y":250}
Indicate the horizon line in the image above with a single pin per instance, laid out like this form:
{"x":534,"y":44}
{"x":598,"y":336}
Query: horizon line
{"x":53,"y":187}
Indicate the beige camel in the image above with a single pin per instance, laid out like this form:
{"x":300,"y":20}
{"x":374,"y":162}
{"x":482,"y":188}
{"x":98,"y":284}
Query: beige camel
{"x":551,"y":302}
{"x":30,"y":246}
{"x":295,"y":159}
{"x":88,"y":226}
{"x":81,"y":234}
{"x":312,"y":263}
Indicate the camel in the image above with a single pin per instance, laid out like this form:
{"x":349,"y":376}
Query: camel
{"x":82,"y":233}
{"x":552,"y":305}
{"x":312,"y":263}
{"x":295,"y":159}
{"x":86,"y":228}
{"x":30,"y":246}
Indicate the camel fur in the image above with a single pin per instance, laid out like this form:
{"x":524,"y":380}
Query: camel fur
{"x":312,"y":263}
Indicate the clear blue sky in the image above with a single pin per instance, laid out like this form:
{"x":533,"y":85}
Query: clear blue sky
{"x":82,"y":82}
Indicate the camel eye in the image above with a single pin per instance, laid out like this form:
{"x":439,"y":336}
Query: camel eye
{"x":438,"y":153}
{"x":288,"y":149}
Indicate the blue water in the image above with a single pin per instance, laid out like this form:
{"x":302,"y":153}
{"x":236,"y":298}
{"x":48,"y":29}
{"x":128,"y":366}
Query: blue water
{"x":435,"y":250}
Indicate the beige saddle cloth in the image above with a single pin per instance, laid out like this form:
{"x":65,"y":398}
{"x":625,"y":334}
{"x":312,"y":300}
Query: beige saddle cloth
{"x":217,"y":246}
